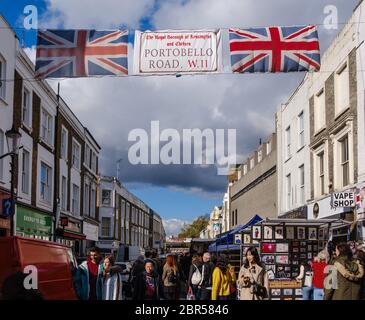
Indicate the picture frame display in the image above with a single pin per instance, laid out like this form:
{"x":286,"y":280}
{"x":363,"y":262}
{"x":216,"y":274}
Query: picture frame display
{"x":276,"y":292}
{"x":290,"y":233}
{"x":268,"y":233}
{"x":301,"y":233}
{"x":279,"y":232}
{"x":312,"y":233}
{"x":282,"y":247}
{"x":268,"y":259}
{"x":267,"y":247}
{"x":256,"y":232}
{"x":282,"y":259}
{"x":246,"y":238}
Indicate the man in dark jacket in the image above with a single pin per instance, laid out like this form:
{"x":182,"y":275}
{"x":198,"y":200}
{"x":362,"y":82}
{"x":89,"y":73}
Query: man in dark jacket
{"x":207,"y":272}
{"x":148,"y":285}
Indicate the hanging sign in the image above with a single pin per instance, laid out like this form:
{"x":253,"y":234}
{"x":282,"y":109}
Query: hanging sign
{"x":176,"y":52}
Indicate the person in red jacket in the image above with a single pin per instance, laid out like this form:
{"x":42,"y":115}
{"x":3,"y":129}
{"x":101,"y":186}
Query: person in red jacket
{"x":318,"y":266}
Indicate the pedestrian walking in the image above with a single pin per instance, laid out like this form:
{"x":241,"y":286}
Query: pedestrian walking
{"x":349,"y":274}
{"x":195,"y":277}
{"x":148,"y":285}
{"x":170,"y":278}
{"x":252,"y":278}
{"x":205,"y":284}
{"x":111,"y":281}
{"x":360,"y":256}
{"x":137,"y":268}
{"x":306,"y":277}
{"x":233,"y":283}
{"x":221,"y":280}
{"x":87,"y":276}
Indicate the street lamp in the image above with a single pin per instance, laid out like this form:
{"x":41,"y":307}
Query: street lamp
{"x":13,"y":137}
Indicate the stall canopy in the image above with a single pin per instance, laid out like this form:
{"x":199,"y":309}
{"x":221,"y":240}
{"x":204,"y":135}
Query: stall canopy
{"x":226,"y":240}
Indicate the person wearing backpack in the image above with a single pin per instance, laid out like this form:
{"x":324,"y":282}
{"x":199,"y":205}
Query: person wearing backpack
{"x":170,"y":278}
{"x":195,"y":277}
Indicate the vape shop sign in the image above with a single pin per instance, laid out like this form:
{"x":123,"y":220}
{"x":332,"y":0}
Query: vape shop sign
{"x":175,"y":52}
{"x":343,"y":200}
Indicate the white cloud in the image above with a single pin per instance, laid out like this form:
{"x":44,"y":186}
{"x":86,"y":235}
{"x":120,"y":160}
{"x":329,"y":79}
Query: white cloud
{"x":173,"y":226}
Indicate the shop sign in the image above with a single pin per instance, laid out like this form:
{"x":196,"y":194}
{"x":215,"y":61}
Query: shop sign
{"x":343,"y":200}
{"x":91,"y":231}
{"x":4,"y":223}
{"x":32,"y":222}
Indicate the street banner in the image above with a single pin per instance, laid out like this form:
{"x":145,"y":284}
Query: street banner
{"x":274,"y":49}
{"x":81,"y":53}
{"x":177,"y":52}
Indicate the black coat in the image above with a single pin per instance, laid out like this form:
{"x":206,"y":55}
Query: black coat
{"x":140,"y":287}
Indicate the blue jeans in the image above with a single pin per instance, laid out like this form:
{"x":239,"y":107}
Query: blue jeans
{"x":307,"y":293}
{"x":318,"y":294}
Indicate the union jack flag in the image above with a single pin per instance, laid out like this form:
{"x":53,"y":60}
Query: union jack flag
{"x":81,"y":53}
{"x":274,"y":49}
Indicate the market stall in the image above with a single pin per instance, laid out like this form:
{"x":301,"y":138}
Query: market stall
{"x":284,"y":244}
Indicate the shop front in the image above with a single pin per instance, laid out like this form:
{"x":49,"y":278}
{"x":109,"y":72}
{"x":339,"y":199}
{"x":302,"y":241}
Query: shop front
{"x":31,"y":223}
{"x":91,"y":232}
{"x":69,"y":233}
{"x":4,"y":222}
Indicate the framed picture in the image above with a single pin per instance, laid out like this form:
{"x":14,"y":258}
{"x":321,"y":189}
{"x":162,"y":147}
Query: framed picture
{"x":315,"y":248}
{"x":271,"y":274}
{"x":295,"y":256}
{"x":295,"y":250}
{"x":268,"y":233}
{"x":321,"y":234}
{"x":276,"y":292}
{"x":268,"y":259}
{"x":312,"y":233}
{"x":290,"y":233}
{"x":288,"y":292}
{"x":303,"y":250}
{"x":282,"y":247}
{"x":282,"y":259}
{"x":295,"y":262}
{"x":271,"y":267}
{"x":303,"y":244}
{"x":295,"y":244}
{"x":256,"y":232}
{"x":298,"y":292}
{"x":287,"y":269}
{"x":267,"y":247}
{"x":300,"y":233}
{"x":246,"y":238}
{"x":279,"y":232}
{"x":309,"y":255}
{"x":303,"y":256}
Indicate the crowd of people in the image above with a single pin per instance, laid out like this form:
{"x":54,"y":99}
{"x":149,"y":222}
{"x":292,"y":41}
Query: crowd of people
{"x":211,"y":277}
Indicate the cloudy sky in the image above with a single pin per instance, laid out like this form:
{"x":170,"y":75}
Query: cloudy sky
{"x":112,"y":107}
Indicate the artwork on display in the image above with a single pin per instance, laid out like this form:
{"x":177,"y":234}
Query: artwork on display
{"x":268,"y":259}
{"x":303,"y":250}
{"x":268,"y":233}
{"x":290,"y":233}
{"x":301,"y":233}
{"x":295,"y":244}
{"x":282,"y":247}
{"x":303,"y":256}
{"x":315,"y":248}
{"x":298,"y":292}
{"x":246,"y":238}
{"x":279,"y":233}
{"x":271,"y":274}
{"x":296,"y":256}
{"x":295,"y":262}
{"x":275,"y":292}
{"x":309,"y":255}
{"x":282,"y":259}
{"x":268,"y":247}
{"x":309,"y":247}
{"x":271,"y":267}
{"x":295,"y":250}
{"x":256,"y":232}
{"x":303,"y":244}
{"x":288,"y":292}
{"x":287,"y":269}
{"x":321,"y":234}
{"x":312,"y":233}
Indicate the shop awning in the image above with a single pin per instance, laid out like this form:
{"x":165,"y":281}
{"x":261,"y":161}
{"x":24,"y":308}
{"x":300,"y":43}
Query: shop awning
{"x":214,"y":248}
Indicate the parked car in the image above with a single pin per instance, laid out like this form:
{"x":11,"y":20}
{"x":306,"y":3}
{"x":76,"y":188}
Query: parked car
{"x":55,"y":265}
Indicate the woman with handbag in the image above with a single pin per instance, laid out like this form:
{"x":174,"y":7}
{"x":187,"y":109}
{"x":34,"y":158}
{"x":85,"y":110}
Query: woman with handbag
{"x":170,"y":278}
{"x":306,"y":277}
{"x":221,"y":280}
{"x":195,"y":278}
{"x":253,"y":279}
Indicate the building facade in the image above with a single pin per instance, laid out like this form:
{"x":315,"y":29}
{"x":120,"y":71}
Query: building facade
{"x":253,"y":189}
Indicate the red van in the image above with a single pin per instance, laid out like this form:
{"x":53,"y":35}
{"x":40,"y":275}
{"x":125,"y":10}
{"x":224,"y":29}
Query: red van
{"x":53,"y":261}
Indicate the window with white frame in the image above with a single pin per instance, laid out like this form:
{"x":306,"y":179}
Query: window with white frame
{"x":345,"y":161}
{"x":76,"y":155}
{"x":321,"y":173}
{"x":46,"y":183}
{"x":87,"y":199}
{"x":106,"y":196}
{"x":301,"y":184}
{"x":46,"y":127}
{"x":93,"y":161}
{"x":244,"y":169}
{"x":259,"y":156}
{"x":25,"y":171}
{"x":268,"y":147}
{"x":105,"y":227}
{"x":252,"y":163}
{"x":2,"y":139}
{"x":64,"y":143}
{"x":75,"y":207}
{"x":319,"y":111}
{"x":301,"y":130}
{"x":26,"y":107}
{"x":342,"y":89}
{"x":87,"y":155}
{"x":288,"y":192}
{"x":64,"y":193}
{"x":92,"y":202}
{"x":288,"y":142}
{"x":2,"y":78}
{"x":239,"y":173}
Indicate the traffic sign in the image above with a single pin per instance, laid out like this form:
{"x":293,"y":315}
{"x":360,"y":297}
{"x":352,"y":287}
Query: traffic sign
{"x":8,"y":208}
